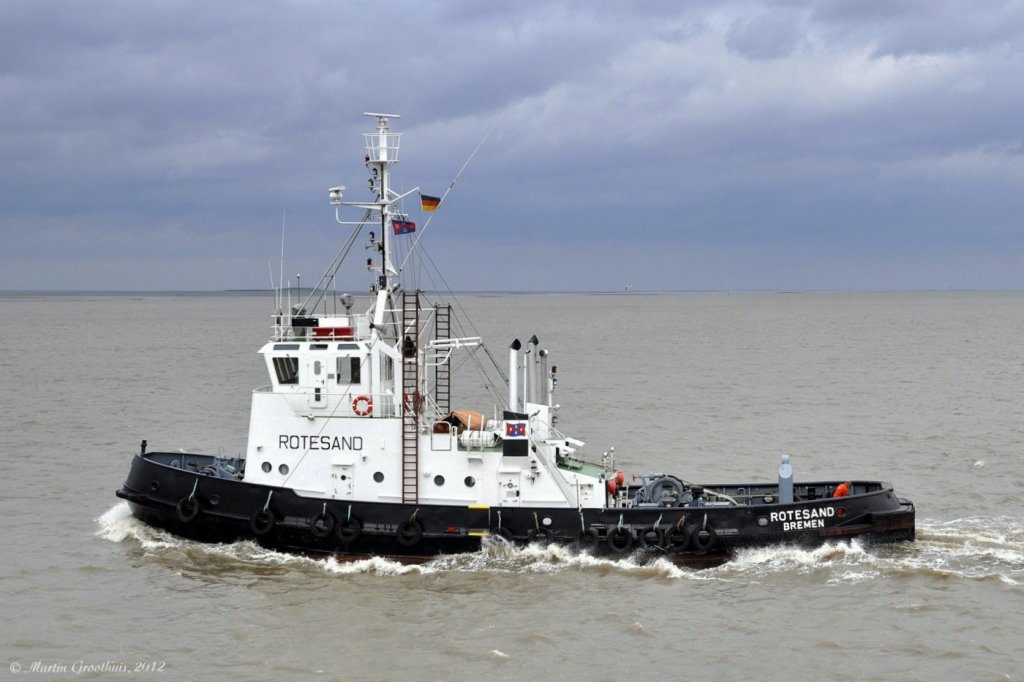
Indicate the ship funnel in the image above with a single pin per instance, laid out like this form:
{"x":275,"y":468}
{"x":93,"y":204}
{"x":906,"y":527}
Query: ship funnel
{"x":513,"y":387}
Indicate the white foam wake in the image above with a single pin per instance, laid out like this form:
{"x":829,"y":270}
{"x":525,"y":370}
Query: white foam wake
{"x":970,"y":548}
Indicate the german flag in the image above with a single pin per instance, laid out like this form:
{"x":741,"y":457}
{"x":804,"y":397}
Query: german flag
{"x":429,"y":204}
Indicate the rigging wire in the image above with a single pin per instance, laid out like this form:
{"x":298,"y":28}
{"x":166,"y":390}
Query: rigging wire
{"x":456,"y":178}
{"x":332,"y":269}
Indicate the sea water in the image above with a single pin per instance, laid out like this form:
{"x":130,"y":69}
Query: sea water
{"x":925,"y":390}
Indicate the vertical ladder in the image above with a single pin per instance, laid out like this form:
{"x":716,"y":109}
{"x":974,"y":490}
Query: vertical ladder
{"x":410,"y":396}
{"x":442,"y":371}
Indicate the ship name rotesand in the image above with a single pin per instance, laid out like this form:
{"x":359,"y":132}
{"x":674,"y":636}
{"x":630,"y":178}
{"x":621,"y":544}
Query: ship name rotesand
{"x":293,"y":442}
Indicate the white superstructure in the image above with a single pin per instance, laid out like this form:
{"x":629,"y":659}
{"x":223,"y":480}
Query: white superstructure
{"x":359,"y":409}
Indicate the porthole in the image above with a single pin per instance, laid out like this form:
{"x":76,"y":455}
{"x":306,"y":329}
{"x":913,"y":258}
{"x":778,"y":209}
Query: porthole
{"x":379,"y":477}
{"x":470,"y":481}
{"x":267,"y":467}
{"x":154,"y":486}
{"x":762,"y":521}
{"x":439,"y":480}
{"x":316,"y":368}
{"x":214,"y":500}
{"x":283,"y":469}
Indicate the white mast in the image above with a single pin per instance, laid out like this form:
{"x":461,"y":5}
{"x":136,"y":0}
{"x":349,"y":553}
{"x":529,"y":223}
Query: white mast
{"x":381,"y":154}
{"x":382,"y":148}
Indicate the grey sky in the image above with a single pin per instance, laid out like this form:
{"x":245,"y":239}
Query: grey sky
{"x":699,"y":145}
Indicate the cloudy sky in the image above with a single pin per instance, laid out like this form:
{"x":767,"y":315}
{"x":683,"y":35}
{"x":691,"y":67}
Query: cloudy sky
{"x":863,"y":144}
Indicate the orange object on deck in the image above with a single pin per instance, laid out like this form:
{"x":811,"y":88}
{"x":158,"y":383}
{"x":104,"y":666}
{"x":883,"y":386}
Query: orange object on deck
{"x":842,"y":490}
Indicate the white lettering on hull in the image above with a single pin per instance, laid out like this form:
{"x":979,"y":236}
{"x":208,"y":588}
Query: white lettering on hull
{"x":286,"y":442}
{"x":802,"y":519}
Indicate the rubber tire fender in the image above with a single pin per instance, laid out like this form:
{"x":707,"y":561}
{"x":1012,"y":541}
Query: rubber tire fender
{"x":620,"y":540}
{"x":409,"y":533}
{"x":503,"y":533}
{"x":348,"y":531}
{"x":188,"y":509}
{"x":321,"y":525}
{"x":703,"y":539}
{"x":677,"y":538}
{"x":652,"y":537}
{"x":262,"y":522}
{"x":588,"y":539}
{"x":541,"y":535}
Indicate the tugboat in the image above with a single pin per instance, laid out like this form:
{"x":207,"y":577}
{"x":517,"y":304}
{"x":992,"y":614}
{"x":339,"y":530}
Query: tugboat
{"x":355,"y":448}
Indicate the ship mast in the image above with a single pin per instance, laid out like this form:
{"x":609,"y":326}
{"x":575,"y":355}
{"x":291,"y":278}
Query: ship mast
{"x":381,"y":154}
{"x":382,"y":148}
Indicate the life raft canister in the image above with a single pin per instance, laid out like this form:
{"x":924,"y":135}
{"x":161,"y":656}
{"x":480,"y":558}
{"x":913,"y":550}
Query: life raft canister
{"x":362,"y":405}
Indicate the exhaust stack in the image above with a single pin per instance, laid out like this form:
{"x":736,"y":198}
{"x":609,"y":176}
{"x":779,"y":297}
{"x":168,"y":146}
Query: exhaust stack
{"x":513,"y":380}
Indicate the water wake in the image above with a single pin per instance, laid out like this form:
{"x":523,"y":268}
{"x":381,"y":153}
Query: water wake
{"x":970,"y":548}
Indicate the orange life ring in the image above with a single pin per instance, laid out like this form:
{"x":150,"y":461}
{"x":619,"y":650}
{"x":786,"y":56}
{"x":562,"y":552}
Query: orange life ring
{"x":362,"y":405}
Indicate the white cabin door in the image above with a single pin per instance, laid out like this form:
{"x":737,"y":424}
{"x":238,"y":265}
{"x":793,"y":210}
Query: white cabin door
{"x":317,"y":371}
{"x":509,"y":487}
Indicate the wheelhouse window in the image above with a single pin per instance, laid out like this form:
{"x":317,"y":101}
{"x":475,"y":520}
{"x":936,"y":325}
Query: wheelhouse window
{"x":287,"y":370}
{"x":348,"y":370}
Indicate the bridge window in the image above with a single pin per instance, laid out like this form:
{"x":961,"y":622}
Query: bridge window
{"x":348,"y":370}
{"x":287,"y":370}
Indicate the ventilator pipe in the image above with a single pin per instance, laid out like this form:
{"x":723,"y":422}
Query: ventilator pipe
{"x":785,"y":481}
{"x":542,"y":356}
{"x":531,"y":362}
{"x":513,"y":388}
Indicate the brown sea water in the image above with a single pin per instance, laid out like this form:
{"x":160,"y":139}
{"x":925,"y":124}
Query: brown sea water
{"x":925,"y":390}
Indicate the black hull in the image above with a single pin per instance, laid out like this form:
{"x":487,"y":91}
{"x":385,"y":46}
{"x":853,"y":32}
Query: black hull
{"x":196,"y":505}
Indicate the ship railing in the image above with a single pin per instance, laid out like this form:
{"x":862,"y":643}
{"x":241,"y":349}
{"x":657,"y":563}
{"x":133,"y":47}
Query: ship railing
{"x":382,"y":146}
{"x":340,"y":403}
{"x":358,"y":329}
{"x":384,"y":404}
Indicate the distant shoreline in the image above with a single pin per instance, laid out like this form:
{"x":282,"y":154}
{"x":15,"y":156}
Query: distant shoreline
{"x":26,"y":293}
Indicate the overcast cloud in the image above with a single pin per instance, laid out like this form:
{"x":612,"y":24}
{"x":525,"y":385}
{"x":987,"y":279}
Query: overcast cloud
{"x":703,"y":145}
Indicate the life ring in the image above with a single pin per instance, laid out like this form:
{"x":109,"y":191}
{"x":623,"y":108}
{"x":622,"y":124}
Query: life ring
{"x":588,"y":539}
{"x":652,"y":537}
{"x":262,"y":522}
{"x":188,"y":509}
{"x":703,"y":539}
{"x":620,"y":540}
{"x":362,"y":405}
{"x":409,"y":533}
{"x":542,"y":535}
{"x":677,"y":537}
{"x":321,"y":525}
{"x":349,"y":530}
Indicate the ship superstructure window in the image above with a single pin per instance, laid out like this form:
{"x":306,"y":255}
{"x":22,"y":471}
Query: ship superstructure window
{"x":287,"y":370}
{"x":348,"y":370}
